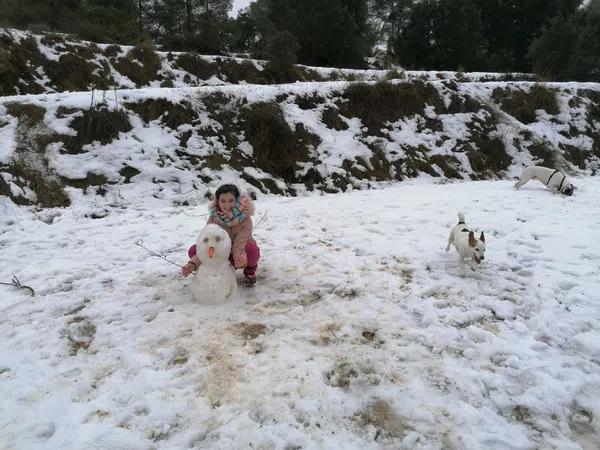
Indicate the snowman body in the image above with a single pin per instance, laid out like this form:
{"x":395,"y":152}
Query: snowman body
{"x":214,"y":281}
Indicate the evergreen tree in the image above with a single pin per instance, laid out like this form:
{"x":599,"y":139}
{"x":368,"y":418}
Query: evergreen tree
{"x":334,"y":33}
{"x":108,"y":20}
{"x":281,"y":49}
{"x":190,"y":24}
{"x":242,"y":32}
{"x":510,"y":26}
{"x":441,"y":34}
{"x":99,"y":20}
{"x":43,"y":15}
{"x":570,"y":49}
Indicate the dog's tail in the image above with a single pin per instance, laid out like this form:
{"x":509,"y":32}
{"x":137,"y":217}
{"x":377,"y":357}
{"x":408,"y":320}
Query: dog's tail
{"x":461,"y":218}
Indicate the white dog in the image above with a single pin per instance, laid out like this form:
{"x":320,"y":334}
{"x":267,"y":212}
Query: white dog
{"x":554,"y":180}
{"x":468,"y":247}
{"x":215,"y":279}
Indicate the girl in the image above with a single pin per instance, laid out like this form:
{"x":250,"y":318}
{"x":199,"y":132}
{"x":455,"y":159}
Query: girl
{"x":232,"y":211}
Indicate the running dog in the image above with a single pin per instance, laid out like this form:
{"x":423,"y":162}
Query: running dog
{"x":470,"y":249}
{"x":554,"y":180}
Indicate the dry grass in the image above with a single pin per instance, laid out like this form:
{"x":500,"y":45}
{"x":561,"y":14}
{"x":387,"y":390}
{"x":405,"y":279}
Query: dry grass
{"x":97,"y":124}
{"x":523,"y":105}
{"x":376,"y":104}
{"x":172,"y":114}
{"x":195,"y":65}
{"x":140,"y":65}
{"x":277,"y":148}
{"x":49,"y":191}
{"x":331,"y":118}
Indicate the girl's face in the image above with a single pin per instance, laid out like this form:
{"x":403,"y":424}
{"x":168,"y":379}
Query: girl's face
{"x":226,"y":202}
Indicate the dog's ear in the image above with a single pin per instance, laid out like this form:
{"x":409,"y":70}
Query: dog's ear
{"x":482,"y":237}
{"x":472,"y":241}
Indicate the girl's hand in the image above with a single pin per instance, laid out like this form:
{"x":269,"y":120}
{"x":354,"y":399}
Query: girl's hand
{"x":240,"y":260}
{"x":188,"y":268}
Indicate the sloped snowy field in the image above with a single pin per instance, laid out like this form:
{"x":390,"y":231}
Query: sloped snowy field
{"x":359,"y":335}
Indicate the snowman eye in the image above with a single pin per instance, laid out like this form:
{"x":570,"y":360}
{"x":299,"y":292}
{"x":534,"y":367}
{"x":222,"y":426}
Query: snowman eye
{"x":218,"y":238}
{"x":205,"y":239}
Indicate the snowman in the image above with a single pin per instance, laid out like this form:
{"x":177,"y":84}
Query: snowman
{"x":215,"y":278}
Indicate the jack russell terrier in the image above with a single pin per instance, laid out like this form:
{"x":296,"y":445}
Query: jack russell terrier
{"x":554,"y":180}
{"x":469,"y":248}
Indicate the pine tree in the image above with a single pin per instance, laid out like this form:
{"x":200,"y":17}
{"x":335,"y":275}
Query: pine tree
{"x":441,"y":34}
{"x":335,"y":33}
{"x":190,"y":24}
{"x":569,"y":49}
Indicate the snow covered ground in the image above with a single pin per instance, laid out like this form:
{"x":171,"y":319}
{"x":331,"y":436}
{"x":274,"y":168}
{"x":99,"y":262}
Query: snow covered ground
{"x":359,"y":335}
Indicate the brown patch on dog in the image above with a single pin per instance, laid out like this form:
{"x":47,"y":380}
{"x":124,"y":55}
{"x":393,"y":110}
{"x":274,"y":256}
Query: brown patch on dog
{"x":472,"y":240}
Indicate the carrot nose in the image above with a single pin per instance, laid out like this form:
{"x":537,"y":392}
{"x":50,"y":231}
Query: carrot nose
{"x":211,"y":252}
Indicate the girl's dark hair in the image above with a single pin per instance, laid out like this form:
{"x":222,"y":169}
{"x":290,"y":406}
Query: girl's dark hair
{"x":227,"y":189}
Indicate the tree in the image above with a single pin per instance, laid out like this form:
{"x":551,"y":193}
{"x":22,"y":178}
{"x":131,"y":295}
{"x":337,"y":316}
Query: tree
{"x":510,"y":26}
{"x":108,"y":20}
{"x":242,"y":32}
{"x":42,"y":15}
{"x":441,"y":34}
{"x":190,"y":24}
{"x":99,"y":20}
{"x":333,"y":32}
{"x":570,"y":49}
{"x":281,"y":49}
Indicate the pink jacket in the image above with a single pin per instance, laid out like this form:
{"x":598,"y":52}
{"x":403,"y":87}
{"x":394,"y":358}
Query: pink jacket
{"x":241,"y":233}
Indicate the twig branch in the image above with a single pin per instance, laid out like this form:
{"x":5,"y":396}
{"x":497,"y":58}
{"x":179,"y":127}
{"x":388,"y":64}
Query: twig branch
{"x":261,"y":218}
{"x":196,"y":215}
{"x":140,"y":243}
{"x":336,"y":286}
{"x":16,"y":283}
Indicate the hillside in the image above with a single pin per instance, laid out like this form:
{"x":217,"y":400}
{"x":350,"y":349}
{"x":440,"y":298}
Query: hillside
{"x":34,"y":64}
{"x":290,"y":138}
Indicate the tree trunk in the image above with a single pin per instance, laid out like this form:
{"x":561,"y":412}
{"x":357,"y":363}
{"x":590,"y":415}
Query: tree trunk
{"x":188,"y":17}
{"x":140,"y":23}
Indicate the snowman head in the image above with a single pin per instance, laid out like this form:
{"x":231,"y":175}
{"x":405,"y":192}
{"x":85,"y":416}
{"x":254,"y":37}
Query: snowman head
{"x":213,"y":245}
